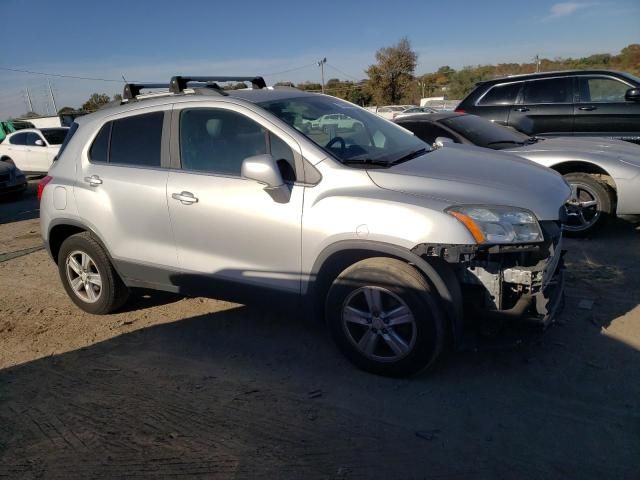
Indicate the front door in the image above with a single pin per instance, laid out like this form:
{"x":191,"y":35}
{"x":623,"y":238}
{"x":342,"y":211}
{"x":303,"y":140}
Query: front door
{"x":17,"y":149}
{"x":546,"y":107}
{"x":37,"y":153}
{"x":601,"y":109}
{"x":233,"y":239}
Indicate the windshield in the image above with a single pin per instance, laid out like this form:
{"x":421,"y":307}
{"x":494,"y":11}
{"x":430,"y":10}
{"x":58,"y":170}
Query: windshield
{"x":347,"y":132}
{"x":484,"y":133}
{"x":54,"y":136}
{"x":632,"y":77}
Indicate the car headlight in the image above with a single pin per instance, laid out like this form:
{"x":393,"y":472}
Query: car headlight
{"x":497,"y":224}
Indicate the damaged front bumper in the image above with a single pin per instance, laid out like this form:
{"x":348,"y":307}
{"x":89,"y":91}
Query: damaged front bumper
{"x":510,"y":281}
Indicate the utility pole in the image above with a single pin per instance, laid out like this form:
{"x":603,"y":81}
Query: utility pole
{"x":321,"y":65}
{"x":537,"y":59}
{"x":29,"y":100}
{"x":53,"y":100}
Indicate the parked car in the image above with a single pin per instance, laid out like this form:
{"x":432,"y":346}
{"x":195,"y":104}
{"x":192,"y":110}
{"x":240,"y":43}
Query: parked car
{"x":336,"y":120}
{"x":390,"y":111}
{"x":592,"y":103}
{"x":604,"y":174}
{"x":414,"y":110}
{"x":32,"y":150}
{"x":218,"y":193}
{"x":12,"y":181}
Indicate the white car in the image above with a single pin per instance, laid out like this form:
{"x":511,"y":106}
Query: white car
{"x":337,"y":120}
{"x":392,"y":111}
{"x":32,"y":150}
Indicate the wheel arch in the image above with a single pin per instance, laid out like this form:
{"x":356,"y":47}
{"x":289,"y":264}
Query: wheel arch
{"x":338,"y":256}
{"x":583,"y":166}
{"x":63,"y":228}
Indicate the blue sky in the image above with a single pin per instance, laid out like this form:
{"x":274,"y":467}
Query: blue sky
{"x":150,"y":41}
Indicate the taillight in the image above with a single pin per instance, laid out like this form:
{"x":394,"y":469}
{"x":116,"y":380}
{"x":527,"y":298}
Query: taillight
{"x":41,"y":184}
{"x":459,"y":110}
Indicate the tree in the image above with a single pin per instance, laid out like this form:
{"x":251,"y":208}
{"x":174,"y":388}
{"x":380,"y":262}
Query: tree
{"x":96,"y":100}
{"x":117,"y":97}
{"x":390,"y":79}
{"x":66,"y":110}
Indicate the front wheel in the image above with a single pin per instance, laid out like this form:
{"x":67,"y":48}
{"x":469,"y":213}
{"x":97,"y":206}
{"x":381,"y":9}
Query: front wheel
{"x":384,"y":318}
{"x":590,"y":205}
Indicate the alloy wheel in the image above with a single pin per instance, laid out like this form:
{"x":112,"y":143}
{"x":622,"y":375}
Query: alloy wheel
{"x":583,"y":208}
{"x":84,"y":276}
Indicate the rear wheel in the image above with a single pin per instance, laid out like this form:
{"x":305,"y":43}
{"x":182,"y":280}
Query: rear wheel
{"x":384,"y":318}
{"x":590,"y":205}
{"x":88,"y":276}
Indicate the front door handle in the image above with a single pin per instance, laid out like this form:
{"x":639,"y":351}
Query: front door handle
{"x":588,"y":109}
{"x":522,"y":109}
{"x":93,"y":180}
{"x":186,"y":198}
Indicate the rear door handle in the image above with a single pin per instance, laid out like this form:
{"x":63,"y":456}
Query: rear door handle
{"x":588,"y":109}
{"x":522,"y":109}
{"x":93,"y":180}
{"x":186,"y":198}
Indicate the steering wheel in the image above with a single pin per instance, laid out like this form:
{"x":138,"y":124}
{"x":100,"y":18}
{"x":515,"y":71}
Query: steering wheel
{"x":343,"y":144}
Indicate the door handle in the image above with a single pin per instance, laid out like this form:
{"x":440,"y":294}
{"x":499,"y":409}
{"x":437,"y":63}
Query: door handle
{"x":588,"y":109}
{"x":186,"y":198}
{"x":522,"y":109}
{"x":93,"y":180}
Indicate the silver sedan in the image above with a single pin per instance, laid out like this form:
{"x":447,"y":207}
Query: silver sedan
{"x":604,"y":174}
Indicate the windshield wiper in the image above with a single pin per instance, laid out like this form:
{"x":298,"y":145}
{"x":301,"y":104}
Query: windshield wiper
{"x":409,"y":156}
{"x":365,"y":161}
{"x":505,"y":141}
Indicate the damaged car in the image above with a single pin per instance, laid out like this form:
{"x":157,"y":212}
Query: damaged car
{"x":399,"y":247}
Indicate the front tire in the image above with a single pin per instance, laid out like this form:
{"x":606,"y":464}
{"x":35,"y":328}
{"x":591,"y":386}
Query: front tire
{"x":384,"y":318}
{"x":590,"y":206}
{"x":88,"y":276}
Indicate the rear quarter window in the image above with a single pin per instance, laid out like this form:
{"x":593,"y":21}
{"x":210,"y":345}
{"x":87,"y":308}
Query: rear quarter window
{"x":501,"y":94}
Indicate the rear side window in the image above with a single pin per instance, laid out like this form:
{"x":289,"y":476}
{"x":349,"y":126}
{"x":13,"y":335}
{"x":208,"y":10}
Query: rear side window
{"x":501,"y":95}
{"x":552,"y":90}
{"x":137,"y":140}
{"x":19,"y":139}
{"x":54,"y":136}
{"x":427,"y":132}
{"x":100,"y":148}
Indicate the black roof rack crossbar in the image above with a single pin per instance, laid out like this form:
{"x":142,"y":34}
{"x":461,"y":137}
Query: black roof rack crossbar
{"x":132,"y":90}
{"x":179,"y":83}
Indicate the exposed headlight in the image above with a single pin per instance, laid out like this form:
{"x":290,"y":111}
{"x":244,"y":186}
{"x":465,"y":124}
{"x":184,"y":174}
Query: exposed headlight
{"x":497,"y":224}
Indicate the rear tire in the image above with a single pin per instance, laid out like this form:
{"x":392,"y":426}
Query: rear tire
{"x":590,"y":207}
{"x":384,"y":318}
{"x":89,"y":277}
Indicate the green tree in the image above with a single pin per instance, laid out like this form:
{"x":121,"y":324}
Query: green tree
{"x":96,"y":100}
{"x":65,"y":110}
{"x":391,"y":78}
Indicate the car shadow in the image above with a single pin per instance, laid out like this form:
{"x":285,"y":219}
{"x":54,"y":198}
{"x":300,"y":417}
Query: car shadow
{"x":24,"y":207}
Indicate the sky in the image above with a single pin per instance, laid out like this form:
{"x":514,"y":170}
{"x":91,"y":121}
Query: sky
{"x":153,"y":40}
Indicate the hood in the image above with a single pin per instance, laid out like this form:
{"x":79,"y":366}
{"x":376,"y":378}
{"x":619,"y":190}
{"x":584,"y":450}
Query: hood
{"x":583,"y":147}
{"x":461,"y":174}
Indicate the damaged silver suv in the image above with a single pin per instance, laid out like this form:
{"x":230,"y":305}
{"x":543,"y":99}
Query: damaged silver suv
{"x":237,"y":194}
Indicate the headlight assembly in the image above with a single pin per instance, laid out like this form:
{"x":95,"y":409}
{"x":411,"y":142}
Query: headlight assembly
{"x":498,"y":224}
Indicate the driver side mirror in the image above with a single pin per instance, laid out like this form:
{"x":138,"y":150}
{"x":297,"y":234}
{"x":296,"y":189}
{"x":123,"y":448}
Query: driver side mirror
{"x":263,"y":169}
{"x":441,"y":142}
{"x":632,"y":95}
{"x":39,"y":143}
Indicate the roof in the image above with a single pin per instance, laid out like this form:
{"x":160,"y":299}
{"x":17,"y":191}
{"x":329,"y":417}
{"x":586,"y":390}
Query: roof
{"x":428,"y":117}
{"x":556,"y":73}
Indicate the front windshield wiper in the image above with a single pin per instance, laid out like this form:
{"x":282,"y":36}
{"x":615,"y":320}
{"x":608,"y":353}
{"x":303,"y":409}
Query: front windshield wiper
{"x":409,"y":156}
{"x":365,"y":161}
{"x":513,"y":142}
{"x":531,"y":140}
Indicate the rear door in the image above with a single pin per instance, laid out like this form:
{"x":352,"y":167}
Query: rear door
{"x":601,"y":109}
{"x":546,"y":107}
{"x":497,"y":102}
{"x":121,"y":192}
{"x":16,"y":148}
{"x":233,"y":238}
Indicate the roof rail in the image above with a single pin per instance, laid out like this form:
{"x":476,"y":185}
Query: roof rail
{"x":132,"y":90}
{"x":179,"y":83}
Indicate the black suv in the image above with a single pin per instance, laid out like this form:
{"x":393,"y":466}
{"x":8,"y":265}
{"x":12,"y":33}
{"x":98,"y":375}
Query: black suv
{"x":577,"y":102}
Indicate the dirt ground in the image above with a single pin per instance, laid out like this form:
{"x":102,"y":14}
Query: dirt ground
{"x":198,"y":388}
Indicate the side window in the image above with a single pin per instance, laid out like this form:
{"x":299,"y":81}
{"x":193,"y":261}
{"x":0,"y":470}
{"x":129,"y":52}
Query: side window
{"x":283,"y":155}
{"x":501,"y":95}
{"x":99,"y":150}
{"x":137,"y":140}
{"x":217,"y":141}
{"x":19,"y":139}
{"x":32,"y":138}
{"x":601,"y":90}
{"x":552,"y":90}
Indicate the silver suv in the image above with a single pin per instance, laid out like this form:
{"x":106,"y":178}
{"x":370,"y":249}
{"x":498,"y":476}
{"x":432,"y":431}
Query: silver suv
{"x":235,"y":194}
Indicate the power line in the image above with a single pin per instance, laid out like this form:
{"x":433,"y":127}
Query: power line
{"x":342,"y":72}
{"x":60,"y":75}
{"x":290,"y":70}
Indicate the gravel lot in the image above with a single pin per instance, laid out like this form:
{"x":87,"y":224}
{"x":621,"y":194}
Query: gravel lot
{"x":199,"y":388}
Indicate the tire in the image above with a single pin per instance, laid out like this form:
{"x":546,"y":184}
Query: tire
{"x":9,"y":161}
{"x":112,"y":292}
{"x":399,"y":285}
{"x":589,"y":190}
